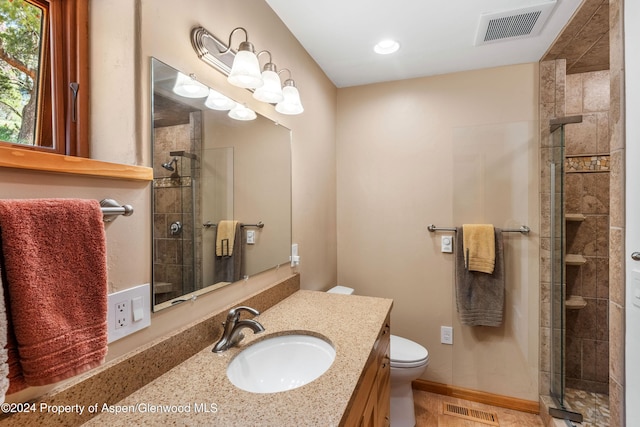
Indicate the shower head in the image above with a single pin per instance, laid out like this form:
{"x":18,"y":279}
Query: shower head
{"x":170,"y":165}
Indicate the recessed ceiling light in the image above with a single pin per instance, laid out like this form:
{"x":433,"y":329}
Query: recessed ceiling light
{"x":386,"y":47}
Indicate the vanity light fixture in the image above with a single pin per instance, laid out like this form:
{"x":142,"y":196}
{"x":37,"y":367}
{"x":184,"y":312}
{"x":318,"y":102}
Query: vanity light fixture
{"x":271,"y":90}
{"x":242,"y":69}
{"x":217,"y":101}
{"x":189,"y":87}
{"x":241,"y":112}
{"x":245,"y":71}
{"x":291,"y":103}
{"x":385,"y":47}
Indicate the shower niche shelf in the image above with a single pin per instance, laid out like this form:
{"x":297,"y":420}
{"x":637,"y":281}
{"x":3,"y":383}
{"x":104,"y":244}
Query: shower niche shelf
{"x":574,"y":259}
{"x":574,"y":217}
{"x":575,"y":302}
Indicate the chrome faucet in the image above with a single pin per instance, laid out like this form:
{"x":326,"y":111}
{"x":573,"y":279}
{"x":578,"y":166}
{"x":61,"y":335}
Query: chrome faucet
{"x":232,"y":334}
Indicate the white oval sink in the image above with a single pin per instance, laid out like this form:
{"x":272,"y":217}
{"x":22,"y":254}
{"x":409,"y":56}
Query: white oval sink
{"x":281,"y":363}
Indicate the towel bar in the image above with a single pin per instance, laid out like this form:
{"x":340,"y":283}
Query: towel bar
{"x":210,"y":224}
{"x":112,"y":209}
{"x":260,"y":224}
{"x":523,"y":229}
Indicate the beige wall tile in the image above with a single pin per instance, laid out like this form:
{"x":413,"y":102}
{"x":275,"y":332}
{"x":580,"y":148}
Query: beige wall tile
{"x":547,"y":82}
{"x":617,"y":188}
{"x":616,"y":340}
{"x":616,"y":270}
{"x":595,"y":91}
{"x":574,"y":94}
{"x":582,"y":138}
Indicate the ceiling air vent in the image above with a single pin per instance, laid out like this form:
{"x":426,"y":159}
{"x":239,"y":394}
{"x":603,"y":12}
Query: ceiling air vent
{"x":513,"y":24}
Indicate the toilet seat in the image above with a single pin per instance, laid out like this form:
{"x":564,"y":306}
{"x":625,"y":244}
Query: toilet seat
{"x":407,"y":354}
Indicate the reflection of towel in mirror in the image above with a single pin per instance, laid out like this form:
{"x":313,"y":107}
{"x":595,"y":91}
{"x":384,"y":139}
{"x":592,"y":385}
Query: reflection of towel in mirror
{"x":229,"y":268}
{"x":479,"y":247}
{"x":480,"y":296}
{"x":225,"y":237}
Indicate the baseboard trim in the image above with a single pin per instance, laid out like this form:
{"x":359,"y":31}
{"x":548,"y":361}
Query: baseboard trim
{"x":516,"y":404}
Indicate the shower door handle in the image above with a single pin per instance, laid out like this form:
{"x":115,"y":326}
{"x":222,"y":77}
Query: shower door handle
{"x":635,"y":256}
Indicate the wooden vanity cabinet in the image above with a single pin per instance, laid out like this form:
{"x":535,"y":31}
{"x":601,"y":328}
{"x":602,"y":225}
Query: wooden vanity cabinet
{"x":370,"y":402}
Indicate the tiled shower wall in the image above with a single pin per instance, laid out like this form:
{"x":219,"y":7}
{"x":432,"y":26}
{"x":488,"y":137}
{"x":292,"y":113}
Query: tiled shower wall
{"x":587,"y":193}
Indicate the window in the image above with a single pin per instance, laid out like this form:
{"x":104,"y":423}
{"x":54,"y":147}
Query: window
{"x":44,"y":90}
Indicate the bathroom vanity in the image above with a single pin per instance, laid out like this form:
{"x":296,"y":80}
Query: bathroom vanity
{"x":353,"y":391}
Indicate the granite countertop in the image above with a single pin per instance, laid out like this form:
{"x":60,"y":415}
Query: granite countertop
{"x":198,"y":392}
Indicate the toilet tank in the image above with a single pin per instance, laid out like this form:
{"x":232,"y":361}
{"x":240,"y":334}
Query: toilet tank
{"x":340,"y":290}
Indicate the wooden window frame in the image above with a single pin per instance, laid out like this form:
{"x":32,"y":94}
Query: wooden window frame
{"x":64,"y":61}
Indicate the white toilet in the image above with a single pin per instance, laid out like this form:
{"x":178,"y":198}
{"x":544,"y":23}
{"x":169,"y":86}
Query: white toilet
{"x":408,"y":361}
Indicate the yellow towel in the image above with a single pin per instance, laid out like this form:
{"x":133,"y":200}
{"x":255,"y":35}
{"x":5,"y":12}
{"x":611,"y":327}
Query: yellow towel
{"x":479,"y":247}
{"x":225,"y":237}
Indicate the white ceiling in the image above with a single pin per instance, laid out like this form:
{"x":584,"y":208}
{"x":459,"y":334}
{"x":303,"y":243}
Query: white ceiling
{"x":435,"y":36}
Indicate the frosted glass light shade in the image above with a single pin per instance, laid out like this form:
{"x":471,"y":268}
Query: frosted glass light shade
{"x":291,"y":103}
{"x":271,"y":90}
{"x":189,"y":87}
{"x":245,"y":71}
{"x":240,"y":112}
{"x":217,"y":101}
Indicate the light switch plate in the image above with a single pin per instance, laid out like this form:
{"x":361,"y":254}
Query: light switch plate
{"x":447,"y":244}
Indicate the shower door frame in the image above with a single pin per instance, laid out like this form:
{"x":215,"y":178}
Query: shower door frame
{"x":558,"y":273}
{"x":557,"y":248}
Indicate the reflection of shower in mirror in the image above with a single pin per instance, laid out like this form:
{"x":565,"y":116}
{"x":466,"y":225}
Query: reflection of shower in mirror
{"x":169,"y":165}
{"x":173,"y":164}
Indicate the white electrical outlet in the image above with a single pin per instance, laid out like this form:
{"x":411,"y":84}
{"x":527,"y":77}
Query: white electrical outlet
{"x":128,"y":311}
{"x":122,"y":314}
{"x":446,"y":334}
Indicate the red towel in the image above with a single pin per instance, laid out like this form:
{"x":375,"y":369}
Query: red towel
{"x":54,"y":262}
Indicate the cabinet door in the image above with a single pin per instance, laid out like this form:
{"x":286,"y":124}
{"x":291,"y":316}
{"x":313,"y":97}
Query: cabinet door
{"x":383,"y":407}
{"x":383,"y":379}
{"x":369,"y":414}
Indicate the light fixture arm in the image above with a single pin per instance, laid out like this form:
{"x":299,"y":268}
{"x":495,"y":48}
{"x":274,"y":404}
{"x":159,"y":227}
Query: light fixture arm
{"x":288,"y":71}
{"x":245,"y":45}
{"x":289,"y":81}
{"x":269,"y":65}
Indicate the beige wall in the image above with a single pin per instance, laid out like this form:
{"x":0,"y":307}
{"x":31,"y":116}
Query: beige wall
{"x":444,"y":150}
{"x":124,"y":35}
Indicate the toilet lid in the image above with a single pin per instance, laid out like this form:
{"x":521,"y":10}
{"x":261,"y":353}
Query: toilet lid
{"x":406,"y":353}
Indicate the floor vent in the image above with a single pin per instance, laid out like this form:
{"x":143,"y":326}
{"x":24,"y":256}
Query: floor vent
{"x":513,"y":24}
{"x":489,"y":418}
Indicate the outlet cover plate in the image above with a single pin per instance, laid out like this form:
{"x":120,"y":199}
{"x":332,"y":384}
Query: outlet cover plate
{"x":120,"y":311}
{"x":446,"y":334}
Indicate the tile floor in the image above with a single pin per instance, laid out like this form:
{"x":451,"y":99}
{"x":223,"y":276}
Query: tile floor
{"x":429,"y":413}
{"x":594,"y":407}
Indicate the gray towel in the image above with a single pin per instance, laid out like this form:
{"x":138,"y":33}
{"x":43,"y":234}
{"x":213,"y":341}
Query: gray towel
{"x":480,"y":296}
{"x":230,"y":268}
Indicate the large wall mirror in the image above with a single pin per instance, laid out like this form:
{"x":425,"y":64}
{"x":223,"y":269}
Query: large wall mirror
{"x":221,"y":193}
